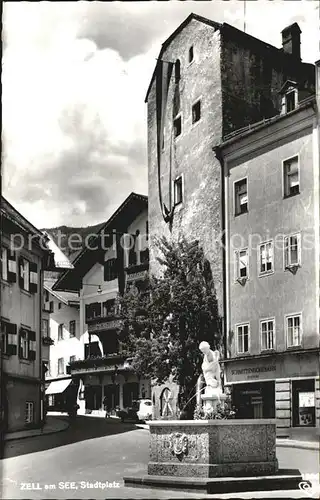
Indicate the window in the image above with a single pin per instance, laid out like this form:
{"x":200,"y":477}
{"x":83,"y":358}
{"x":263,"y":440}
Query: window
{"x":147,"y":230}
{"x":72,"y":359}
{"x":46,"y":296}
{"x":177,"y":126}
{"x":24,"y":345}
{"x":242,"y":264}
{"x":144,"y":256}
{"x":266,"y":258}
{"x":196,"y":112}
{"x":72,"y":328}
{"x":51,"y":400}
{"x":9,"y":338}
{"x":292,"y":250}
{"x":290,"y":100}
{"x":60,"y":366}
{"x":267,"y":330}
{"x":27,"y":344}
{"x":8,"y":265}
{"x":291,"y":176}
{"x":294,"y":330}
{"x":178,"y":191}
{"x":24,"y":274}
{"x":4,"y":264}
{"x":110,"y":270}
{"x":242,"y":339}
{"x":60,"y":332}
{"x":177,"y":71}
{"x":51,"y":306}
{"x":241,"y":197}
{"x":59,"y":305}
{"x":45,"y":328}
{"x":29,"y":412}
{"x":191,"y":54}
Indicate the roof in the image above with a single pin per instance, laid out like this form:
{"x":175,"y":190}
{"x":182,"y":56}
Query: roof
{"x":67,"y":297}
{"x":19,"y":220}
{"x":127,"y":212}
{"x":11,"y":214}
{"x":287,"y":83}
{"x":250,"y":129}
{"x":226,"y":29}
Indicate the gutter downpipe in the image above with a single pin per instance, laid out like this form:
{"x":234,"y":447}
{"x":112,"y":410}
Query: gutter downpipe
{"x":224,"y":244}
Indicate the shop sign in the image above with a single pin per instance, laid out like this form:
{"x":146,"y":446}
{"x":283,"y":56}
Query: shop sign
{"x":106,"y":325}
{"x":255,"y":369}
{"x":286,"y":365}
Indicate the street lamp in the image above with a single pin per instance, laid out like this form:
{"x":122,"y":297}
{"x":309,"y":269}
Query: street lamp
{"x":93,"y":284}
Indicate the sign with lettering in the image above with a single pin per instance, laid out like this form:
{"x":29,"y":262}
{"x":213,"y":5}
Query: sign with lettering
{"x":275,"y":366}
{"x":106,"y":325}
{"x":136,"y":276}
{"x":107,"y":368}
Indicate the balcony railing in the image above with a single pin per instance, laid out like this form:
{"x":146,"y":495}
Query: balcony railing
{"x":108,"y":362}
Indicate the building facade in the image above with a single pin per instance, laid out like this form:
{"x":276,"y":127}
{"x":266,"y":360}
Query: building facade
{"x":118,"y":257}
{"x":61,"y":333}
{"x":271,"y":192}
{"x":24,"y":257}
{"x":210,"y":79}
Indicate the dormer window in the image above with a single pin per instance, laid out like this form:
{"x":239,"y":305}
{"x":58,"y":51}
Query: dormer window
{"x":289,"y":93}
{"x":290,"y":101}
{"x":177,"y":71}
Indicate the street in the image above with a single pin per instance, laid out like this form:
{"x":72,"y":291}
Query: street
{"x":69,"y":463}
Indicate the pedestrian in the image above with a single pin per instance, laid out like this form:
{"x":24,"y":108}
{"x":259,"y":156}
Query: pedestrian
{"x":105,"y":407}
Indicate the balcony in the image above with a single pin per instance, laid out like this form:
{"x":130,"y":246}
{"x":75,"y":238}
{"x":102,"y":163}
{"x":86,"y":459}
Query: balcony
{"x":98,"y":312}
{"x":108,"y":363}
{"x":139,"y":271}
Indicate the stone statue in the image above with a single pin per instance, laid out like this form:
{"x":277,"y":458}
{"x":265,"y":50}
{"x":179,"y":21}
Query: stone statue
{"x":211,"y":370}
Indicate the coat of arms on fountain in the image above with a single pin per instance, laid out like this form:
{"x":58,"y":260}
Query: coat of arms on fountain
{"x":178,"y":444}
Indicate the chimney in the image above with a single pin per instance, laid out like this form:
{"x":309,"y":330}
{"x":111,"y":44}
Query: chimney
{"x":291,"y":40}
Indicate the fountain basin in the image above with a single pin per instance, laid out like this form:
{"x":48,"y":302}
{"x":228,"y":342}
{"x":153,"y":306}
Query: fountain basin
{"x":213,"y":448}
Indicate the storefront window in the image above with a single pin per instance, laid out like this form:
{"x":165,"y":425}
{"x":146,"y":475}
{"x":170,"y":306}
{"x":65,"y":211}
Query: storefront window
{"x":303,"y":403}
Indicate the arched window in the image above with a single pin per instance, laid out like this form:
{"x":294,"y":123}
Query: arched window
{"x":177,"y":71}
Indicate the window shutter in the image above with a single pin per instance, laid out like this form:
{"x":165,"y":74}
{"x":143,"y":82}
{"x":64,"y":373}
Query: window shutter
{"x":21,"y":332}
{"x":236,"y":265}
{"x":32,"y":345}
{"x":12,"y":339}
{"x":21,"y":272}
{"x":12,"y":266}
{"x":33,"y":270}
{"x":286,"y":252}
{"x":299,"y":248}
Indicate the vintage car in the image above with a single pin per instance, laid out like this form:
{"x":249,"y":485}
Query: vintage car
{"x":141,"y":410}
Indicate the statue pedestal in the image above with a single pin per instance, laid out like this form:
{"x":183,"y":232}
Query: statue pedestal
{"x":212,"y":398}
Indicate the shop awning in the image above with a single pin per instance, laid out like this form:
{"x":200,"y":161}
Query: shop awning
{"x":58,"y":386}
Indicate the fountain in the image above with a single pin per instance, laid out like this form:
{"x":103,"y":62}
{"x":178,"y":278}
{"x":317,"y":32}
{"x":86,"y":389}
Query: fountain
{"x":214,"y":455}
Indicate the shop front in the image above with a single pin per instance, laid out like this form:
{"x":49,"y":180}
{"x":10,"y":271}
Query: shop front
{"x":109,"y":390}
{"x":256,"y":400}
{"x":284,"y":386}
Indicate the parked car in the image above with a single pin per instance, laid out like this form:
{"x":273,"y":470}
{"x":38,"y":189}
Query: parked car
{"x":141,"y":410}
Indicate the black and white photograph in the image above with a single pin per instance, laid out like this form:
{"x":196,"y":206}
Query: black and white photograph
{"x":160,"y":250}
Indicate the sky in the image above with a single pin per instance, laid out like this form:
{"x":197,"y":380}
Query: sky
{"x":74,"y":80}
